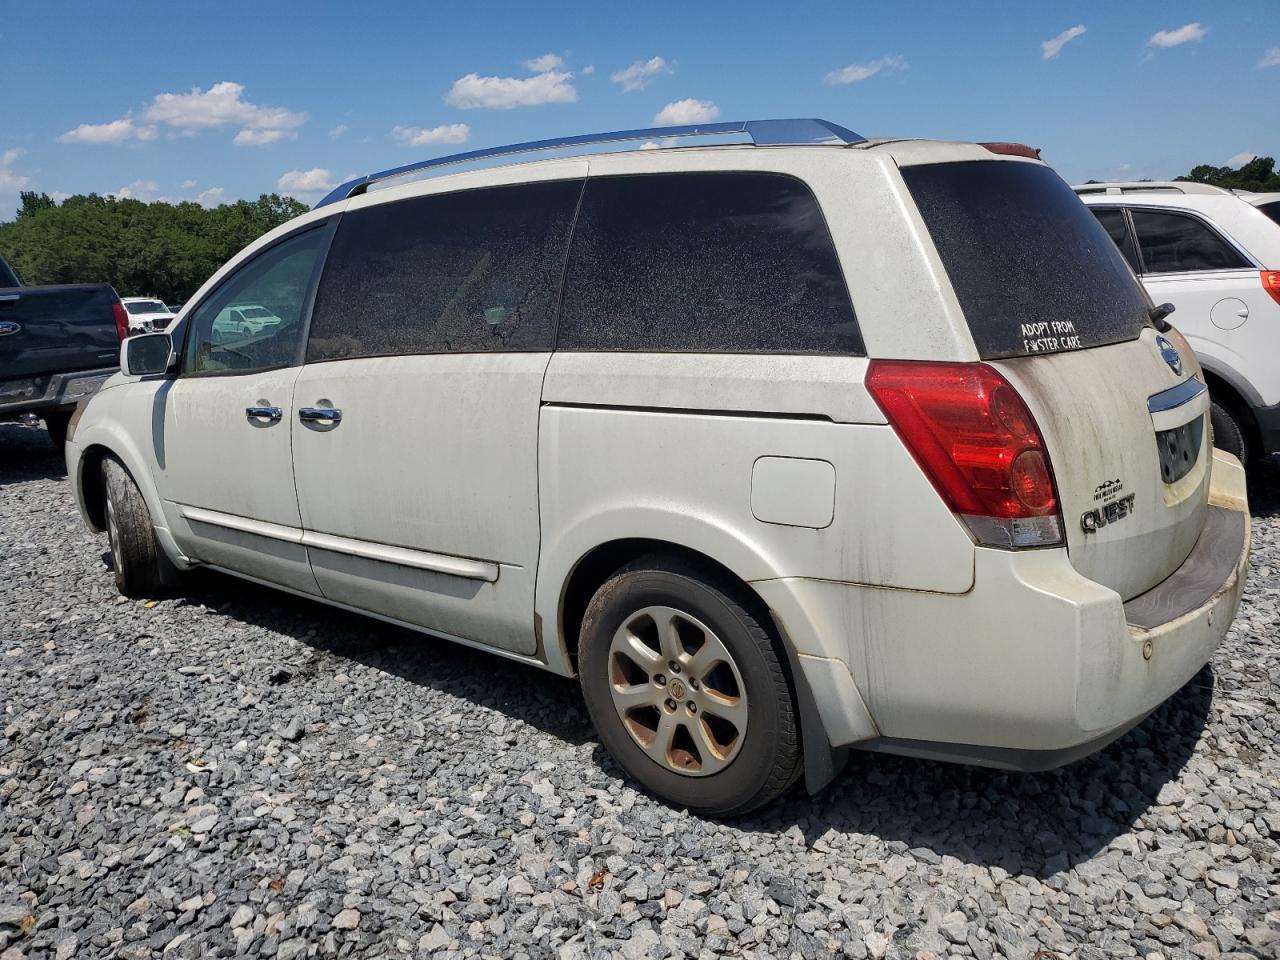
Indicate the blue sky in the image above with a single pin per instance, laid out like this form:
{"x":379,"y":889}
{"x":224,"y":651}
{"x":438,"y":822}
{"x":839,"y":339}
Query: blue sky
{"x":217,"y":101}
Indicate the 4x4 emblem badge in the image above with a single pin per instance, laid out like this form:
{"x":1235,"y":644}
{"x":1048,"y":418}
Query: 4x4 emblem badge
{"x":1170,"y":355}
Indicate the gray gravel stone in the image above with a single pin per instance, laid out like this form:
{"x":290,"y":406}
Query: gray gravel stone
{"x":237,"y":772}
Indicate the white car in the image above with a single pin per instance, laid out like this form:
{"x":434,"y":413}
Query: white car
{"x":1215,"y":255}
{"x":242,"y":321}
{"x":146,"y":314}
{"x":782,"y":447}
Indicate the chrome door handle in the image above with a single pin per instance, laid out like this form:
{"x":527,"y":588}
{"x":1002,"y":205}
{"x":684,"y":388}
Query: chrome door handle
{"x":264,"y":413}
{"x":320,"y":415}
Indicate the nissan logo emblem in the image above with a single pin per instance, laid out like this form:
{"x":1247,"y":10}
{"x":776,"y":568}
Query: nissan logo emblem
{"x":1170,"y":355}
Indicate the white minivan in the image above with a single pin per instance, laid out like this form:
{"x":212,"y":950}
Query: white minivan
{"x":1215,"y":255}
{"x":783,"y":446}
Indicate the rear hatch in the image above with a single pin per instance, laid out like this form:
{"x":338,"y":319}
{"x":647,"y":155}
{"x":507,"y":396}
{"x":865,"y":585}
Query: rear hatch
{"x":1054,"y":308}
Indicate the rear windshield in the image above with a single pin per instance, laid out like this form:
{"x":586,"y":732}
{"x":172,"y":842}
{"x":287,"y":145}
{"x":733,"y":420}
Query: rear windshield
{"x":1032,"y":268}
{"x":1272,"y":210}
{"x":146,"y":306}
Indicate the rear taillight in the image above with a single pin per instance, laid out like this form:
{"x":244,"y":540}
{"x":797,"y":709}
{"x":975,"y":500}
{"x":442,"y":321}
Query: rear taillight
{"x":121,"y":318}
{"x":1271,"y":283}
{"x":978,"y":443}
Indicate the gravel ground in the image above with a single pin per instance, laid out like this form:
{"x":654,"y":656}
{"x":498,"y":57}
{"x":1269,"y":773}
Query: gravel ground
{"x":240,"y":773}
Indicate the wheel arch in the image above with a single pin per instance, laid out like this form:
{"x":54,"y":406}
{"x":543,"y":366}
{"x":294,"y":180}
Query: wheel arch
{"x":820,"y":761}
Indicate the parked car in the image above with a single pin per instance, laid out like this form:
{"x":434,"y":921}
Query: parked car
{"x":243,"y":321}
{"x":147,"y":314}
{"x":1215,"y":255}
{"x":770,"y":483}
{"x":58,"y":344}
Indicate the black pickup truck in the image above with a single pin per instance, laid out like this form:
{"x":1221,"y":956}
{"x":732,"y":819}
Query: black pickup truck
{"x":57,"y":345}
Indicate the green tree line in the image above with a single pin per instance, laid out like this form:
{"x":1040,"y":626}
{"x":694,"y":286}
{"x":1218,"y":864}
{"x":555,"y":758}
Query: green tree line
{"x":1258,"y":175}
{"x":157,"y":249}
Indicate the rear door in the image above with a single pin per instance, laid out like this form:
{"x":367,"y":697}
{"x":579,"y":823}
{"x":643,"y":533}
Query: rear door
{"x":416,"y":436}
{"x":1052,"y":304}
{"x":1186,"y":261}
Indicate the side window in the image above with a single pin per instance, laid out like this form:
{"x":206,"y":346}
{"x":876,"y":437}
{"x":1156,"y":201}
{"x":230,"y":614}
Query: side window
{"x":1173,"y":242}
{"x":1112,"y":220}
{"x":275,"y":286}
{"x":712,"y":262}
{"x":464,"y":272}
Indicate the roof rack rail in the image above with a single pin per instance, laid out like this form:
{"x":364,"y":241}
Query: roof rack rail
{"x":1148,"y":186}
{"x":770,"y":133}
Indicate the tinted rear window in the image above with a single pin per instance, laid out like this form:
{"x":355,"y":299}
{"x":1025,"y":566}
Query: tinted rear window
{"x":7,"y":278}
{"x":1032,"y":268}
{"x":1272,"y":210}
{"x":705,"y":263}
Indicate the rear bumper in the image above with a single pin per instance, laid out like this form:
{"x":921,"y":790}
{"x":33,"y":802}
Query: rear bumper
{"x":49,"y":392}
{"x":1268,"y":420}
{"x":1033,"y":668}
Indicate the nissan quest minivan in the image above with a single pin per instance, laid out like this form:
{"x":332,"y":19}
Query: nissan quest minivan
{"x":787,"y":445}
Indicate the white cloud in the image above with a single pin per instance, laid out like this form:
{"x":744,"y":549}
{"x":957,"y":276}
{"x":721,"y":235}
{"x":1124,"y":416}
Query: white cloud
{"x":211,"y":197}
{"x":504,"y":93}
{"x":420,"y":137}
{"x":682,"y":112}
{"x":259,"y":138}
{"x":10,"y":180}
{"x":114,"y":132}
{"x":57,"y":196}
{"x":339,"y":130}
{"x":313,"y":181}
{"x":548,"y":61}
{"x":188,"y":184}
{"x":589,"y":69}
{"x":638,"y":75}
{"x":1175,"y":38}
{"x":219,"y":106}
{"x":1050,"y":49}
{"x":1240,"y":159}
{"x":1271,"y":58}
{"x":856,"y":72}
{"x":144,"y":190}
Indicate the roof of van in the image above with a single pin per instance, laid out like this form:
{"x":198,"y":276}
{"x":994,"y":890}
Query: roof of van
{"x":773,"y":133}
{"x":1179,"y":187}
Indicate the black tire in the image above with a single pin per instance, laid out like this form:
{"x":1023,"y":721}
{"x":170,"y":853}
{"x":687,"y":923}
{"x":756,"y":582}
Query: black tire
{"x":57,"y":423}
{"x":1227,"y":430}
{"x":142,"y":570}
{"x":768,"y":760}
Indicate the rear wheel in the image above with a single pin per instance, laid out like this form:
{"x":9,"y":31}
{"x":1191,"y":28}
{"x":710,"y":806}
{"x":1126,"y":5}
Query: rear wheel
{"x":141,"y":568}
{"x":686,"y":689}
{"x":1228,"y":432}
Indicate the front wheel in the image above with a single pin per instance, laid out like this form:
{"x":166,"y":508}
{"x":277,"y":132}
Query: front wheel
{"x":142,"y":570}
{"x":686,"y":690}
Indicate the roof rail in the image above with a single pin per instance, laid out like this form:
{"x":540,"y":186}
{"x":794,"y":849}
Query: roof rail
{"x":1148,"y":186}
{"x":763,"y":133}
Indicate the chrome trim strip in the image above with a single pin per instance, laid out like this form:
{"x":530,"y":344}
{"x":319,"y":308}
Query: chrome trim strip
{"x":401,"y":556}
{"x":261,"y":528}
{"x":1175,"y":397}
{"x":763,"y":133}
{"x":417,"y":559}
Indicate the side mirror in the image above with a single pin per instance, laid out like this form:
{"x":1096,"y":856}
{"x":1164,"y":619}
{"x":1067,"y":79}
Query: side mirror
{"x":146,"y":355}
